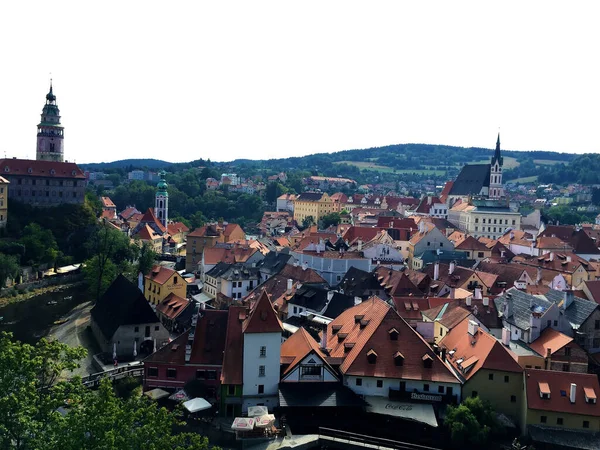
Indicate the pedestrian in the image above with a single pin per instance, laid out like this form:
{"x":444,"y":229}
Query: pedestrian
{"x":116,"y":363}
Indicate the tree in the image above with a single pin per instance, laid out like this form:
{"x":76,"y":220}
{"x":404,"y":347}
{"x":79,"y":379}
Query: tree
{"x":146,"y":259}
{"x":273,"y":191}
{"x":330,"y":219}
{"x":94,"y":420}
{"x":308,"y":221}
{"x":472,"y":423}
{"x":9,"y":268}
{"x":40,"y":245}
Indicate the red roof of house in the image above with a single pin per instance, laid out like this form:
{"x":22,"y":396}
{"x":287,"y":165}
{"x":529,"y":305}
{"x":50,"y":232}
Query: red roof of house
{"x":128,"y":212}
{"x":297,"y":347}
{"x":233,"y":356}
{"x":446,"y":190}
{"x":145,"y":233}
{"x":160,"y":274}
{"x":210,"y":338}
{"x":35,"y":168}
{"x":236,"y":254}
{"x":364,"y":233}
{"x":594,"y":288}
{"x":555,"y":382}
{"x":262,"y":317}
{"x":470,"y":243}
{"x":150,"y":218}
{"x":107,"y":202}
{"x":367,"y":329}
{"x":550,"y":339}
{"x":172,"y":306}
{"x":297,"y":273}
{"x":107,"y":214}
{"x":177,"y":227}
{"x":480,"y":351}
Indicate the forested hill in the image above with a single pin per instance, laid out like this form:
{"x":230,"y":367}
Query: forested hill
{"x":129,"y":164}
{"x":583,"y":169}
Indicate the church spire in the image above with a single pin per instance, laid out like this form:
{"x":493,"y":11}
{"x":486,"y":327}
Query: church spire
{"x":497,"y":156}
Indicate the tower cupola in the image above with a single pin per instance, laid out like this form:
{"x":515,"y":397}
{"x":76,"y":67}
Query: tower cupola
{"x":161,"y":204}
{"x":50,"y":135}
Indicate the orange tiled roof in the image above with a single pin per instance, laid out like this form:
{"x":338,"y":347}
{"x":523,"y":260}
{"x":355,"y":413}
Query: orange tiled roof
{"x":297,"y":347}
{"x":233,"y":356}
{"x":35,"y":168}
{"x":160,"y":274}
{"x":177,"y":227}
{"x":107,"y":202}
{"x":262,"y":317}
{"x":172,"y":305}
{"x":550,"y":339}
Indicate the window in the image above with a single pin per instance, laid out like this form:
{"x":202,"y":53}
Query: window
{"x":440,"y":389}
{"x":596,"y":343}
{"x":514,"y":222}
{"x":152,"y":371}
{"x":200,"y":374}
{"x":474,"y":394}
{"x":559,"y":421}
{"x":441,"y":244}
{"x":506,"y":379}
{"x":211,"y":374}
{"x":491,"y":376}
{"x":171,"y":373}
{"x":157,"y":327}
{"x":136,"y":330}
{"x":565,"y":368}
{"x":480,"y":254}
{"x":261,"y":371}
{"x":567,"y":351}
{"x":543,"y":419}
{"x":310,"y":371}
{"x":426,"y":387}
{"x":359,"y":381}
{"x":597,"y":325}
{"x":231,"y":389}
{"x":379,"y":383}
{"x":548,"y":323}
{"x":476,"y":220}
{"x":556,"y":323}
{"x":428,"y":243}
{"x":586,"y":424}
{"x":261,"y":388}
{"x":263,"y":351}
{"x":513,"y":399}
{"x":483,"y":220}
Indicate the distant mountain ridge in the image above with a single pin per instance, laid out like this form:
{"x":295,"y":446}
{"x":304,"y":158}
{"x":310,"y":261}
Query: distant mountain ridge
{"x":126,"y":163}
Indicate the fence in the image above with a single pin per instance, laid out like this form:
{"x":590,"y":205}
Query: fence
{"x":359,"y":440}
{"x":131,"y":370}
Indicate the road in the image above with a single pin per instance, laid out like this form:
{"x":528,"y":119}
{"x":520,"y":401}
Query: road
{"x":74,"y":333}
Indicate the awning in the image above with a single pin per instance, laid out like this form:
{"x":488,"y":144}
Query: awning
{"x":156,"y":394}
{"x":179,"y":396}
{"x":265,"y":421}
{"x":196,"y":404}
{"x":418,"y":412}
{"x":317,"y":395}
{"x":242,"y":424}
{"x":256,"y":411}
{"x":202,"y":298}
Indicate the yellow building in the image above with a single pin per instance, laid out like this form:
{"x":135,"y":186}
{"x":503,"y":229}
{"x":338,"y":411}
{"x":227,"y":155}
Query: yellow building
{"x":312,"y":204}
{"x":3,"y":201}
{"x":563,"y":400}
{"x":161,"y":282}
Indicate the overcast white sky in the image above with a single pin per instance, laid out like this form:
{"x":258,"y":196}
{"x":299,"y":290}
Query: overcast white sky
{"x":224,"y":80}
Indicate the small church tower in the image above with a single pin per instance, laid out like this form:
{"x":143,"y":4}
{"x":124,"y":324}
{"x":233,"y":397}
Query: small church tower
{"x":161,"y":205}
{"x":50,"y":135}
{"x":496,"y":190}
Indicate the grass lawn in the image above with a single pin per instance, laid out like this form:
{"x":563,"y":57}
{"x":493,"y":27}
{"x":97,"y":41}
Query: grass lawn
{"x":532,"y":179}
{"x":548,"y":162}
{"x":368,"y":166}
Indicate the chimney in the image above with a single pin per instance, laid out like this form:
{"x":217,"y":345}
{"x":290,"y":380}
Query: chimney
{"x":357,"y":301}
{"x":359,"y":245}
{"x":290,"y":283}
{"x":548,"y":359}
{"x":436,"y":271}
{"x":512,"y":235}
{"x":304,"y":265}
{"x":468,"y":300}
{"x":478,"y":293}
{"x":569,"y":259}
{"x":421,"y":226}
{"x":391,"y":224}
{"x":538,"y":278}
{"x":330,"y":295}
{"x":324,"y":338}
{"x":472,"y":330}
{"x":568,"y":295}
{"x":506,"y":337}
{"x":451,"y":268}
{"x":486,"y":301}
{"x":572,"y":393}
{"x":551,"y":256}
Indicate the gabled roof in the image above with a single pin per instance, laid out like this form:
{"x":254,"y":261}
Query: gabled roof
{"x":233,"y":356}
{"x":507,"y":274}
{"x":470,"y":243}
{"x":145,"y":233}
{"x":160,"y":274}
{"x":470,"y":353}
{"x":177,"y":227}
{"x":521,"y":307}
{"x":471,"y":179}
{"x":122,"y":304}
{"x":550,"y":339}
{"x":151,"y":220}
{"x":232,"y":255}
{"x":594,"y":288}
{"x":172,"y":306}
{"x":577,"y":312}
{"x":39,"y":168}
{"x":558,"y":382}
{"x":296,"y":272}
{"x":580,"y":241}
{"x":297,"y":347}
{"x":262,"y":317}
{"x":128,"y":212}
{"x":366,"y":329}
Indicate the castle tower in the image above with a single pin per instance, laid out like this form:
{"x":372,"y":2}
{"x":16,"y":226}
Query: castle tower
{"x":50,"y":135}
{"x":161,"y":205}
{"x":496,"y":190}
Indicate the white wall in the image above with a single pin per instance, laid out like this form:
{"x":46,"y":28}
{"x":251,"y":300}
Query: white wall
{"x":326,"y":375}
{"x":332,"y":269}
{"x":369,"y":386}
{"x":252,"y":361}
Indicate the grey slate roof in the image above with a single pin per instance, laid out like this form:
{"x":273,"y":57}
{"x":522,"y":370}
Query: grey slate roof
{"x":577,"y":312}
{"x":122,"y":304}
{"x":219,"y":270}
{"x":521,"y":305}
{"x":471,"y":179}
{"x":273,"y":262}
{"x":310,"y":196}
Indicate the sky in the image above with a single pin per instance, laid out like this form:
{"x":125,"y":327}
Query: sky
{"x":223,"y":80}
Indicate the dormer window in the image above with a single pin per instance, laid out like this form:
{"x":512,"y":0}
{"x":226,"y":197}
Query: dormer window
{"x":372,"y":356}
{"x":427,"y":361}
{"x":335,"y":328}
{"x":398,"y":359}
{"x":52,"y":172}
{"x":358,"y":318}
{"x":544,"y":390}
{"x":590,"y":395}
{"x":348,"y":346}
{"x":6,"y":169}
{"x":30,"y":170}
{"x":342,"y":336}
{"x":364,"y":323}
{"x":393,"y":334}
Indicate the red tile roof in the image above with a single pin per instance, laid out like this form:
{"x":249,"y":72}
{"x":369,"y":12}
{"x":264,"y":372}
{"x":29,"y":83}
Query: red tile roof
{"x":35,"y":168}
{"x":366,"y":328}
{"x":262,"y":317}
{"x":483,"y":350}
{"x":594,"y":288}
{"x":107,"y":202}
{"x":470,"y":243}
{"x":297,"y":347}
{"x":172,"y":306}
{"x":210,"y":338}
{"x":128,"y":212}
{"x":297,"y":273}
{"x":233,"y":357}
{"x":550,"y":339}
{"x":236,"y":254}
{"x":160,"y":274}
{"x":150,"y":219}
{"x":177,"y":227}
{"x":145,"y":233}
{"x":555,"y":382}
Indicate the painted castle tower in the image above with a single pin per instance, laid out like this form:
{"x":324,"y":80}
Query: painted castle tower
{"x":496,"y":190}
{"x":50,"y":136}
{"x":161,"y":204}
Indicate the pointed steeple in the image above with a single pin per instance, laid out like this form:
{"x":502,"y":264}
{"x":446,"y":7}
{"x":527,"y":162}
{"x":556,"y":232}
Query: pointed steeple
{"x":497,"y":156}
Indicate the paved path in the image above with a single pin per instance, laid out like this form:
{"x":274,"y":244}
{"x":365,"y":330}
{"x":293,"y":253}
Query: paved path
{"x":74,"y":334}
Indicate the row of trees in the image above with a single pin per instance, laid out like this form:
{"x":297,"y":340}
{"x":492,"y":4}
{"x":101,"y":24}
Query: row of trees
{"x":40,"y":410}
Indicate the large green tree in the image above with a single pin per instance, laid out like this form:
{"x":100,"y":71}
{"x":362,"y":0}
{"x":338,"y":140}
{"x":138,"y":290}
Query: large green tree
{"x":472,"y":423}
{"x":40,"y":411}
{"x":40,"y":245}
{"x":9,"y":268}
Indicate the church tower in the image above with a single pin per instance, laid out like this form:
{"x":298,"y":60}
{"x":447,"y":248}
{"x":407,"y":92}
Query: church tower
{"x":496,"y":190}
{"x":50,"y":135}
{"x":161,"y":205}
